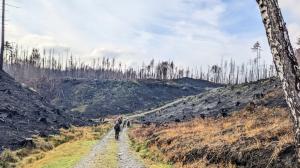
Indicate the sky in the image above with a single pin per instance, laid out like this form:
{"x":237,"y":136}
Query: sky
{"x":190,"y":32}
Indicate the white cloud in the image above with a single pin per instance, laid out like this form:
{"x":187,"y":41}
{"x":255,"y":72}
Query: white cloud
{"x":292,"y":11}
{"x":186,"y":31}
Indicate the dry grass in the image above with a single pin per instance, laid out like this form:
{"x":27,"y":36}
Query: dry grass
{"x":221,"y":142}
{"x":44,"y":151}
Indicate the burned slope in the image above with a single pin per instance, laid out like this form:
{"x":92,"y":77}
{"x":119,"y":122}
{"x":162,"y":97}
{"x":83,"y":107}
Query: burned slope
{"x":94,"y":98}
{"x":245,"y":139}
{"x":242,"y":126}
{"x":24,"y":113}
{"x":220,"y":102}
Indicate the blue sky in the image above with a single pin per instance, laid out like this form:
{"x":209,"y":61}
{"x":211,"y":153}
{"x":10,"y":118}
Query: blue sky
{"x":190,"y":32}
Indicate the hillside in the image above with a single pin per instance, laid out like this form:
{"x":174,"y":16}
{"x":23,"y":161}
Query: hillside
{"x":220,"y":102}
{"x":24,"y":113}
{"x":94,"y":98}
{"x":243,"y":126}
{"x":261,"y":138}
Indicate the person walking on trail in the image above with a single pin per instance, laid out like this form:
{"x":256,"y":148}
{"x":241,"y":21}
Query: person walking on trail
{"x":117,"y":129}
{"x":124,"y":124}
{"x":128,"y":124}
{"x":120,"y":121}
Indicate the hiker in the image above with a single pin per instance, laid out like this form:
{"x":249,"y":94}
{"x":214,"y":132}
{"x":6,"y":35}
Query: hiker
{"x":124,"y":124}
{"x":117,"y":129}
{"x":120,"y":120}
{"x":128,"y":124}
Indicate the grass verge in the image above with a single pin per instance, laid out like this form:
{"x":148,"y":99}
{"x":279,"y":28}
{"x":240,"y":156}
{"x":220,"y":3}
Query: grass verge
{"x":56,"y":151}
{"x":150,"y":158}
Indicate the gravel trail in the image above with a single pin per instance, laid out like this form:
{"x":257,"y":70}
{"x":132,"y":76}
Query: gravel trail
{"x":127,"y":159}
{"x":109,"y":153}
{"x":88,"y":161}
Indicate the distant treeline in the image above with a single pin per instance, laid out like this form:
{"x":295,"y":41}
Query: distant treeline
{"x":30,"y":64}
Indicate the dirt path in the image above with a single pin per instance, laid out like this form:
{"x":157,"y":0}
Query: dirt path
{"x":109,"y":153}
{"x":157,"y":109}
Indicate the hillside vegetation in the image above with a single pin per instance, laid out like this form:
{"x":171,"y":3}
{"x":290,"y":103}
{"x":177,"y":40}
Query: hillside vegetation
{"x":259,"y":138}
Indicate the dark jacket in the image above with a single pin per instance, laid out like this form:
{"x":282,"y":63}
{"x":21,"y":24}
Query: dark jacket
{"x":117,"y":127}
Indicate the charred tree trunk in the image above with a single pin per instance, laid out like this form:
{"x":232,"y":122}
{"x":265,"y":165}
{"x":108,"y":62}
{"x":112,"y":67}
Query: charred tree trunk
{"x":2,"y":35}
{"x":284,"y":59}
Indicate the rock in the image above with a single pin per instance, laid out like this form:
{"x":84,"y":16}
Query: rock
{"x":202,"y":116}
{"x":27,"y":143}
{"x":177,"y":120}
{"x":223,"y":114}
{"x":258,"y":96}
{"x":43,"y":120}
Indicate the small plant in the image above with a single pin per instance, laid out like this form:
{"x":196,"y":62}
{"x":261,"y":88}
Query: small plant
{"x":23,"y":152}
{"x":251,"y":107}
{"x":9,"y":156}
{"x":40,"y":156}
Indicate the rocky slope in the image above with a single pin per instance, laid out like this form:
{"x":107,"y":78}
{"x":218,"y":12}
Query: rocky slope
{"x":24,"y":113}
{"x":111,"y":97}
{"x":220,"y":102}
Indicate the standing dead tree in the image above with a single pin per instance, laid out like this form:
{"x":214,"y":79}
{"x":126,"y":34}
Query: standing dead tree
{"x":284,"y":58}
{"x":298,"y":51}
{"x":257,"y":48}
{"x":2,"y":35}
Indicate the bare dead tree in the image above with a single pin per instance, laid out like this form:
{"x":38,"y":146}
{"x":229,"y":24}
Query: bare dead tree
{"x":257,"y":48}
{"x":2,"y":35}
{"x":298,"y":51}
{"x":284,"y":59}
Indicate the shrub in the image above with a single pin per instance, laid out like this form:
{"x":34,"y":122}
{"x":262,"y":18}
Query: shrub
{"x":23,"y":152}
{"x":3,"y":164}
{"x":251,"y":107}
{"x":40,"y":156}
{"x":43,"y":145}
{"x":46,"y":146}
{"x":9,"y":156}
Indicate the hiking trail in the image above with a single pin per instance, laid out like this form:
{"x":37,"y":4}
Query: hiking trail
{"x":109,"y":153}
